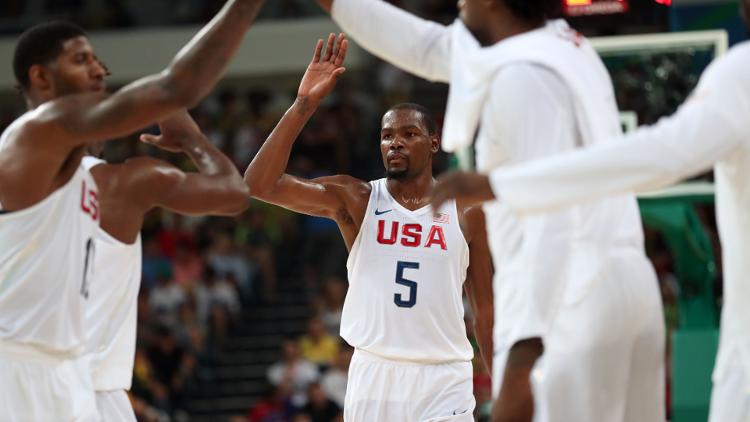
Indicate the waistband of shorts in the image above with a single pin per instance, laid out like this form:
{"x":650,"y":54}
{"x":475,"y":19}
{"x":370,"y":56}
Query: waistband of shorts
{"x":364,"y":354}
{"x":31,"y":353}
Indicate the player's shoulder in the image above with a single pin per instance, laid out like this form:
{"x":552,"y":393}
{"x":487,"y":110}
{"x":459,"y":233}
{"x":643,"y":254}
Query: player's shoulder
{"x":471,"y":218}
{"x":50,"y":123}
{"x":733,"y":65}
{"x":346,"y":184}
{"x":470,"y":210}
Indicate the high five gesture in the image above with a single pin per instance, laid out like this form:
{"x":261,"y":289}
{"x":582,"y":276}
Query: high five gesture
{"x":324,"y":70}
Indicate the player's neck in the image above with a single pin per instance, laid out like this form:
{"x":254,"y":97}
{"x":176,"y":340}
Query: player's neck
{"x":412,"y":193}
{"x":506,"y":27}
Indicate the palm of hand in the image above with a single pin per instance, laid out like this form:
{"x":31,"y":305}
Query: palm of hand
{"x":319,"y":80}
{"x":324,"y":70}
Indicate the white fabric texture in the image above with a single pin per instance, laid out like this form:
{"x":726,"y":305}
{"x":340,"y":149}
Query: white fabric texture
{"x":43,"y":305}
{"x":114,"y":406}
{"x":37,"y":386}
{"x":382,"y":390}
{"x":710,"y":129}
{"x":406,"y":273}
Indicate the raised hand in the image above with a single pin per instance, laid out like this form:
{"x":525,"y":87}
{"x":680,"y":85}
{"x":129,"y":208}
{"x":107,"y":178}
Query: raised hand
{"x":324,"y":69}
{"x":177,"y":132}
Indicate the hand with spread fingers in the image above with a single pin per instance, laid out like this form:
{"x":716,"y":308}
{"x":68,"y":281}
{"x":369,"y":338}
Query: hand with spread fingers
{"x":467,"y":186}
{"x":324,"y":69}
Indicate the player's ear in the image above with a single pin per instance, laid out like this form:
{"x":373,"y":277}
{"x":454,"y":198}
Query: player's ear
{"x":39,"y":77}
{"x":435,"y":144}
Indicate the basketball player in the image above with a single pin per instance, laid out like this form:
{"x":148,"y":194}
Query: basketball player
{"x":126,"y":193}
{"x":403,"y":312}
{"x":49,"y":203}
{"x":538,"y":88}
{"x":711,"y":128}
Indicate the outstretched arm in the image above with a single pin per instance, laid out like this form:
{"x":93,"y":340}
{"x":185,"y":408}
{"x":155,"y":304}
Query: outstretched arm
{"x":416,"y":45}
{"x":216,"y":188}
{"x":78,"y":119}
{"x":708,"y":127}
{"x":325,"y":197}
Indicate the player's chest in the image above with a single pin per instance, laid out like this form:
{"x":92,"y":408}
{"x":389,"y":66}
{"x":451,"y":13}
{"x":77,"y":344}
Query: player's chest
{"x":430,"y":235}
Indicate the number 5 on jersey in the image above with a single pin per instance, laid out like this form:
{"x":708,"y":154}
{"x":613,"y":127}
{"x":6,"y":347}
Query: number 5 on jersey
{"x":398,"y":298}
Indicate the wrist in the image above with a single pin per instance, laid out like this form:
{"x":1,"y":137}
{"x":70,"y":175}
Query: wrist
{"x":306,"y":104}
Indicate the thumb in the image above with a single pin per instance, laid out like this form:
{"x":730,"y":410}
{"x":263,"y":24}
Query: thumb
{"x":147,"y":138}
{"x":339,"y":71}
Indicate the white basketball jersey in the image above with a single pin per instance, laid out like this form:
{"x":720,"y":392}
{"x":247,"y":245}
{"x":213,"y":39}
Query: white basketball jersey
{"x":112,"y":312}
{"x":406,"y":274}
{"x":46,"y":264}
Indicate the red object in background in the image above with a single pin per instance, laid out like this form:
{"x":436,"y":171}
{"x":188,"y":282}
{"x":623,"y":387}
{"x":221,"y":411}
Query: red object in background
{"x":600,"y":7}
{"x":595,"y":7}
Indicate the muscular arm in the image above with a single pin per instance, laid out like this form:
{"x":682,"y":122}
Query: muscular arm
{"x":330,"y":197}
{"x":267,"y":178}
{"x":478,"y":283}
{"x":78,"y":119}
{"x":416,"y":45}
{"x":216,"y":188}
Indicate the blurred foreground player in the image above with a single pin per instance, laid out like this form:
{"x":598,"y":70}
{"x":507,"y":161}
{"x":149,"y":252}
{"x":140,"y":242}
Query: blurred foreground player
{"x":50,"y":205}
{"x":529,"y":86}
{"x":403,"y":312}
{"x":710,"y":129}
{"x":126,"y":193}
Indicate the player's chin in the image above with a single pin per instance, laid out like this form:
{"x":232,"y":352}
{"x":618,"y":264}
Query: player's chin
{"x":397,"y":173}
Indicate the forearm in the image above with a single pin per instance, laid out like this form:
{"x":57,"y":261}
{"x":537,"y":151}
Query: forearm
{"x":416,"y":45}
{"x":483,"y":333}
{"x":207,"y":158}
{"x":201,"y":63}
{"x":653,"y":157}
{"x":269,"y":165}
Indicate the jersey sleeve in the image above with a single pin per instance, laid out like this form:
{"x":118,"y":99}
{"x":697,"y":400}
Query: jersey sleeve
{"x":708,"y":127}
{"x":416,"y":45}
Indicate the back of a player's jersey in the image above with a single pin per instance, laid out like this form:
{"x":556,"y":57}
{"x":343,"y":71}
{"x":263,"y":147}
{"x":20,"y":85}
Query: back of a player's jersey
{"x":406,"y":272}
{"x":112,"y":309}
{"x":46,"y":255}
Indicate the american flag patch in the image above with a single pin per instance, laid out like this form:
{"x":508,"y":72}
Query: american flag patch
{"x":441,"y":218}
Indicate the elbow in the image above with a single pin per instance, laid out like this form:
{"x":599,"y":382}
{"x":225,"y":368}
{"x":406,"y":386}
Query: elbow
{"x":256,"y":187}
{"x":238,"y":199}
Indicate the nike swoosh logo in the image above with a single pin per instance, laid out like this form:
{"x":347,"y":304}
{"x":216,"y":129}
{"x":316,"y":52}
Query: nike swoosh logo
{"x":456,"y":412}
{"x":377,"y":212}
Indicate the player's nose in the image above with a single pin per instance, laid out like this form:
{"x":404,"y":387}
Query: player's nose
{"x":397,"y":143}
{"x":97,"y":71}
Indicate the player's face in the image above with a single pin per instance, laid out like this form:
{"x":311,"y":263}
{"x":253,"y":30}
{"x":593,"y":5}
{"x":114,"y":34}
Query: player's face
{"x":405,"y":144}
{"x":77,"y":69}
